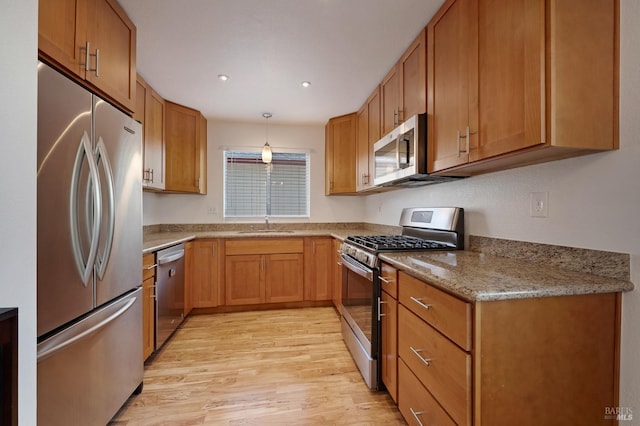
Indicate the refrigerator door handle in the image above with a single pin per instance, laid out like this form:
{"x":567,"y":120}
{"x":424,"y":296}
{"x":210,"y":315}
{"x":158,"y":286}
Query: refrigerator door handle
{"x":85,"y":269}
{"x":71,"y":335}
{"x":102,"y":158}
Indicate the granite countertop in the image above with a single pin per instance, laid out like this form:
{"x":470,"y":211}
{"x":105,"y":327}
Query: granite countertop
{"x":475,"y":276}
{"x":159,"y":240}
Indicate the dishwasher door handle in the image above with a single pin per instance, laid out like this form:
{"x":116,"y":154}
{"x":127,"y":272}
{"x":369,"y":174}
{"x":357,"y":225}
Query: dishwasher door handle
{"x":171,"y":257}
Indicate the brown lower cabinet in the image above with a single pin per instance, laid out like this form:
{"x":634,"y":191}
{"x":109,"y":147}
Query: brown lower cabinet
{"x":318,"y":276}
{"x":535,"y":361}
{"x":264,"y":271}
{"x":148,"y":304}
{"x":206,"y":273}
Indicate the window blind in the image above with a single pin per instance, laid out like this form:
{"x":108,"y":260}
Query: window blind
{"x":252,"y":188}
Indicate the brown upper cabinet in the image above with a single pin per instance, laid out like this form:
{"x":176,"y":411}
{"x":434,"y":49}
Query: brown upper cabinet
{"x":368,"y":134}
{"x":94,"y":41}
{"x":403,"y":90}
{"x":150,"y":110}
{"x":186,"y":149}
{"x":536,"y":79}
{"x":340,"y":154}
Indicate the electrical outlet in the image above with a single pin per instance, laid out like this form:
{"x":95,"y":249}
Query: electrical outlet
{"x":539,"y":204}
{"x":211,"y":210}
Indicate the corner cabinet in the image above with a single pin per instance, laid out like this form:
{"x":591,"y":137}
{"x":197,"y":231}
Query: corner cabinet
{"x":517,"y":83}
{"x":150,"y":111}
{"x":207,"y":290}
{"x":93,"y":40}
{"x":318,"y":276}
{"x":185,"y":149}
{"x":261,"y":271}
{"x":340,"y":155}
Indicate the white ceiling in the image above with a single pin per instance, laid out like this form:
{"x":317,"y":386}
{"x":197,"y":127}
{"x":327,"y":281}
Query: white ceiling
{"x":344,"y":47}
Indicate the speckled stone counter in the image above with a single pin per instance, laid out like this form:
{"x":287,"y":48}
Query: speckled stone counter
{"x":154,"y":241}
{"x":475,"y":276}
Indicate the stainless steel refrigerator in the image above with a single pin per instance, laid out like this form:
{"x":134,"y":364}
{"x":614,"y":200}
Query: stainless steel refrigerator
{"x":89,"y":311}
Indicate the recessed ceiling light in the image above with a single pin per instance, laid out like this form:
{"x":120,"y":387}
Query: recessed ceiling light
{"x":223,"y":77}
{"x":305,"y":84}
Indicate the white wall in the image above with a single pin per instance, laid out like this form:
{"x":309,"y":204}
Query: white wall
{"x":176,"y":208}
{"x":594,"y":201}
{"x":18,"y":84}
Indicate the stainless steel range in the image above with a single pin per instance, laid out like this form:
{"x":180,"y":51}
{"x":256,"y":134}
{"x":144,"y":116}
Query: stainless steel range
{"x":439,"y":228}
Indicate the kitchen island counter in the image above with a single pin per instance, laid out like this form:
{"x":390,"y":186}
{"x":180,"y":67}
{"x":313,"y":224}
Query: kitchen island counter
{"x":476,"y":276}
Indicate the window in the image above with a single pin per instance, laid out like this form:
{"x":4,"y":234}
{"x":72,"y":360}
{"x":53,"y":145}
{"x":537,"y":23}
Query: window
{"x":255,"y":189}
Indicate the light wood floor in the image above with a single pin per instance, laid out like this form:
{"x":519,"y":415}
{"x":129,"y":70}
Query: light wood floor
{"x":282,"y":367}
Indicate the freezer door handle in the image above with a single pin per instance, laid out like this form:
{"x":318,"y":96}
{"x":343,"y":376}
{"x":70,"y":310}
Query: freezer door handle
{"x":102,"y":158}
{"x":85,"y":269}
{"x":74,"y":334}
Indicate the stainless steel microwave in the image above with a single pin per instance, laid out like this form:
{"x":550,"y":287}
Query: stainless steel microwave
{"x":400,"y":157}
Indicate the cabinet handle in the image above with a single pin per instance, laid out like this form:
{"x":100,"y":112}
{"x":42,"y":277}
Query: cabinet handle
{"x":469,"y":133}
{"x":385,"y":280}
{"x":339,"y":263}
{"x":395,"y":117}
{"x":416,"y":415}
{"x":213,"y":250}
{"x":400,"y":118}
{"x":426,"y":361}
{"x":97,"y":55}
{"x":380,"y":314}
{"x":314,"y":247}
{"x":151,"y":175}
{"x":86,"y":56}
{"x":150,"y":267}
{"x":420,"y":302}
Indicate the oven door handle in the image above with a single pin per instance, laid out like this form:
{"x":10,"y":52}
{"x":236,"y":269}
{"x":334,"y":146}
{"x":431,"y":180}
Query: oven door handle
{"x":356,"y":267}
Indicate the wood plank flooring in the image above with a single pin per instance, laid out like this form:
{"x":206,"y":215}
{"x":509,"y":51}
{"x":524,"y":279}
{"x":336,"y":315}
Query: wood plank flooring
{"x":281,"y":367}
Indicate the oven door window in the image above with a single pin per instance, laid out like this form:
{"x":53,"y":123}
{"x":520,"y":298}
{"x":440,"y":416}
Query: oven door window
{"x":357,"y":301}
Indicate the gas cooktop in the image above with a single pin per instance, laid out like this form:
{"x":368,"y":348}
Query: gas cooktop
{"x":379,"y":243}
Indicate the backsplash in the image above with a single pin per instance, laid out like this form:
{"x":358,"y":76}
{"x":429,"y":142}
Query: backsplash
{"x":602,"y":263}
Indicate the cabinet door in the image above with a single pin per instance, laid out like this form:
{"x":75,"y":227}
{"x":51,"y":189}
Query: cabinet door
{"x":182,"y":144}
{"x":337,"y":276}
{"x":148,"y":305}
{"x":508,"y":73}
{"x":141,"y":94}
{"x":284,"y":278}
{"x":341,"y":147}
{"x":362,"y":174}
{"x":318,"y":271}
{"x":62,"y":29}
{"x":154,"y":141}
{"x":413,"y":78}
{"x":112,"y":37}
{"x":448,"y":85}
{"x":390,"y":92}
{"x":244,"y":279}
{"x":389,"y":343}
{"x":374,"y":128}
{"x":188,"y":277}
{"x":207,"y":274}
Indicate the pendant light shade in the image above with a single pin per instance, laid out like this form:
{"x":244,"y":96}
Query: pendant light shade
{"x":266,"y":149}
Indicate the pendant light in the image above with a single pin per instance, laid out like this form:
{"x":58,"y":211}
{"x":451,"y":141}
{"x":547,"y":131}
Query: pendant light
{"x":266,"y":149}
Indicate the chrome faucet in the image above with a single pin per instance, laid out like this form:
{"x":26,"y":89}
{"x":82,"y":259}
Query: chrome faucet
{"x":266,"y":222}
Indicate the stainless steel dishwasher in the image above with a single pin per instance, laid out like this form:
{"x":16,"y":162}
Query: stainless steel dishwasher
{"x":169,"y":292}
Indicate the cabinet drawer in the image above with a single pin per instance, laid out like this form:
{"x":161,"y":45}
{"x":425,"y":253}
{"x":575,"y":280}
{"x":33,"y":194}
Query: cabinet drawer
{"x":416,"y":403}
{"x":264,"y":246}
{"x":389,"y":280}
{"x":148,"y":266}
{"x":443,"y":368}
{"x":450,"y":315}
